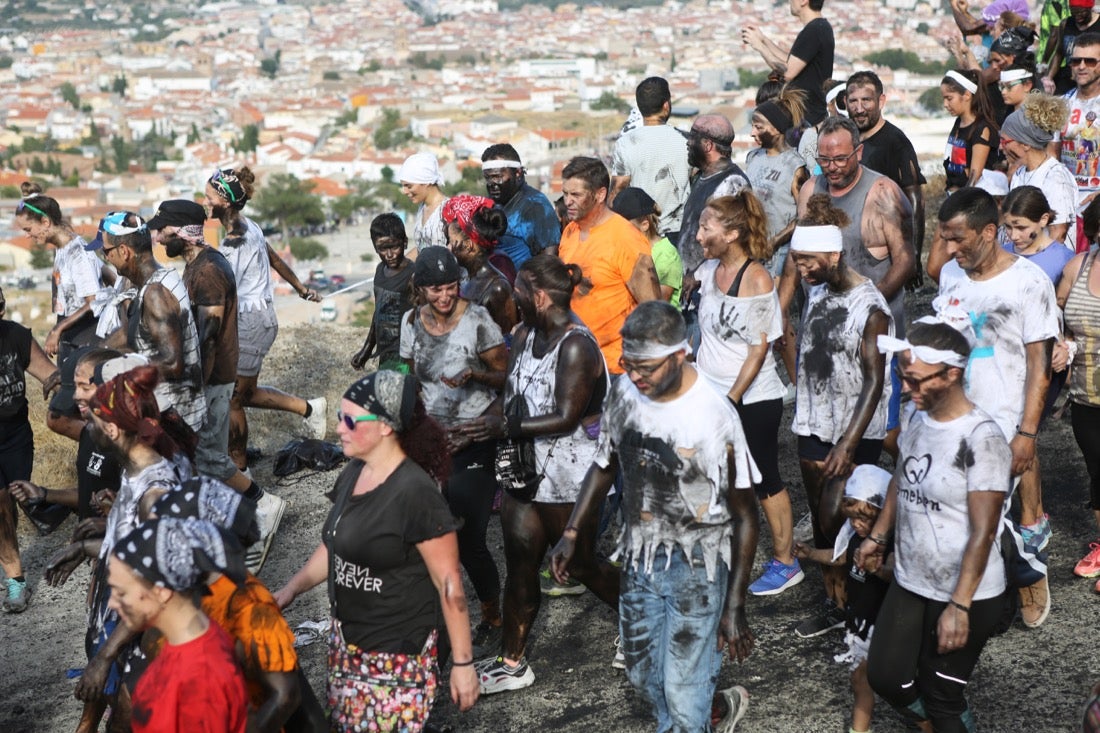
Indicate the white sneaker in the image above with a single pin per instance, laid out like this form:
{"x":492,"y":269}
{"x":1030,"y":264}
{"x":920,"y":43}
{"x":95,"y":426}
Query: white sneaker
{"x":317,"y":422}
{"x":619,"y":660}
{"x":269,"y":512}
{"x":737,"y":702}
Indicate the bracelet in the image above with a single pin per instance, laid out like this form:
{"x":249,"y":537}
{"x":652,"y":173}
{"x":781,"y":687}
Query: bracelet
{"x":880,"y":541}
{"x":1026,"y":434}
{"x":463,"y":664}
{"x":961,"y":607}
{"x":569,"y":529}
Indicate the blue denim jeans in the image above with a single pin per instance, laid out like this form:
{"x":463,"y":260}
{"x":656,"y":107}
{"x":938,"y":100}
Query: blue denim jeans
{"x":669,"y":619}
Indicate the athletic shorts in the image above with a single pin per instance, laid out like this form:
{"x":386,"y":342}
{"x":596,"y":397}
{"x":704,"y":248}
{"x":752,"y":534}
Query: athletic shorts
{"x":256,"y":331}
{"x":813,"y":448}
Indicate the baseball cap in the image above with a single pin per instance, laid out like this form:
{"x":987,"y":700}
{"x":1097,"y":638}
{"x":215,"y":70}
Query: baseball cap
{"x":111,"y":368}
{"x":64,"y":399}
{"x":435,"y":266}
{"x":633,"y":203}
{"x":177,"y":213}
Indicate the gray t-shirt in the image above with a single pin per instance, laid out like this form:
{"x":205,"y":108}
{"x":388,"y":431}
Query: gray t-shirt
{"x":655,"y":158}
{"x":939,"y":464}
{"x":435,"y":357}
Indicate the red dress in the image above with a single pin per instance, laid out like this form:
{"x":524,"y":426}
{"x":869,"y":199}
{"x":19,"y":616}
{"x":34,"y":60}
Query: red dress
{"x":195,"y":687}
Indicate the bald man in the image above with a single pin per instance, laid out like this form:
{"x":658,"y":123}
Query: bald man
{"x":708,"y":150}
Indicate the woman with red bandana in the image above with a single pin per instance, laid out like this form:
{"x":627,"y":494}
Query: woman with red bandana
{"x":474,"y":227}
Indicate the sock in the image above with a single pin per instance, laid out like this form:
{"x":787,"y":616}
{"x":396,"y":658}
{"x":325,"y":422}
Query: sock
{"x":309,"y":409}
{"x":254,"y":492}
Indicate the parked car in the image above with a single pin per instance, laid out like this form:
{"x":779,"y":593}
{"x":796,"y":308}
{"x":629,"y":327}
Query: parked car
{"x":328,"y":311}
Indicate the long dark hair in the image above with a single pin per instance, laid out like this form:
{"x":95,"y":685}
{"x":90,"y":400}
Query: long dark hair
{"x":425,"y":442}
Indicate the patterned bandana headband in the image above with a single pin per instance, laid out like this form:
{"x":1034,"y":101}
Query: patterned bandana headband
{"x":389,"y":395}
{"x":492,"y":165}
{"x":825,"y":238}
{"x":652,"y":349}
{"x":210,"y":500}
{"x":461,"y":209}
{"x":962,"y":81}
{"x":179,"y":553}
{"x":927,"y":354}
{"x":230,"y":186}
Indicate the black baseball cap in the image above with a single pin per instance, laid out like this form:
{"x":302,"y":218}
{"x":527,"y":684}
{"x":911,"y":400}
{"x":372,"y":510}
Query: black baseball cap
{"x":633,"y":203}
{"x":64,"y":400}
{"x":177,"y":213}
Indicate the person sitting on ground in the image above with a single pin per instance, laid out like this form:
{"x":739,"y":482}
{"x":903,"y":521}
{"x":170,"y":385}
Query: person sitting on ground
{"x":474,"y":228}
{"x":155,"y":572}
{"x":639,"y":208}
{"x":393,"y":294}
{"x":864,"y":495}
{"x":390,"y":557}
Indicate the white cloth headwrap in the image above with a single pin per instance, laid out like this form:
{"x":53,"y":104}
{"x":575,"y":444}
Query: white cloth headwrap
{"x":962,"y":81}
{"x":492,"y":165}
{"x":825,"y":238}
{"x":867,"y":483}
{"x":652,"y":349}
{"x":1015,"y":75}
{"x":927,"y":354}
{"x":421,"y":168}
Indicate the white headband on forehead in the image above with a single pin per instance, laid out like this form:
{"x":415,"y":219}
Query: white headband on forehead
{"x":927,"y":354}
{"x":867,"y":483}
{"x":652,"y":349}
{"x":962,"y":81}
{"x":827,"y":238}
{"x":492,"y":165}
{"x":1015,"y":75}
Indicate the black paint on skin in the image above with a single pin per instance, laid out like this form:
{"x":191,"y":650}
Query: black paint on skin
{"x":823,"y":324}
{"x":964,"y":459}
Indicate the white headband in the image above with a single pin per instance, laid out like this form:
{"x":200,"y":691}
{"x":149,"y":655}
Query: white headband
{"x":867,"y":483}
{"x":492,"y":165}
{"x":652,"y":349}
{"x":962,"y":81}
{"x":825,"y":238}
{"x":927,"y":354}
{"x":1015,"y":75}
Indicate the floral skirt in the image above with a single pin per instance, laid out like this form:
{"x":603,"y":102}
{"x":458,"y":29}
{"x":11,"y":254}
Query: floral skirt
{"x":379,"y":691}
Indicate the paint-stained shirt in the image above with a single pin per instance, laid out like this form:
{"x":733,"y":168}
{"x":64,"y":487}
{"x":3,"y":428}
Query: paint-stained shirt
{"x":76,"y":276}
{"x":248,"y":256}
{"x":533,"y":225}
{"x":939,"y":464}
{"x":393,"y":297}
{"x":435,"y":357}
{"x":655,"y":158}
{"x":675,"y":458}
{"x":1002,"y":315}
{"x":830,"y":371}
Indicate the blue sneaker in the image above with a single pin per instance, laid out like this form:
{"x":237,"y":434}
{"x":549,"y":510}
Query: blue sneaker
{"x":1036,"y":536}
{"x":777,"y":578}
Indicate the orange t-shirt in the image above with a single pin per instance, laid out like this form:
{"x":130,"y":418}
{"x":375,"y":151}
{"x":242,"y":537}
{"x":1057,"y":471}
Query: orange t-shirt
{"x":249,"y":615}
{"x":607,"y":258}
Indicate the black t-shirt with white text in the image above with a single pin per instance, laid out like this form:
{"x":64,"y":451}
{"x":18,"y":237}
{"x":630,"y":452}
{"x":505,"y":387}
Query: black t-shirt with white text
{"x":95,"y":470}
{"x":15,"y":357}
{"x":380,"y":589}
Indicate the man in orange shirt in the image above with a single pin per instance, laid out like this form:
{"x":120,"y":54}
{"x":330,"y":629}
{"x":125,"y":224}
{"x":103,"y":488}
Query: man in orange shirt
{"x":614,"y":257}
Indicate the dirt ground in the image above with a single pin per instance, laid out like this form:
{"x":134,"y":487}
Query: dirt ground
{"x":1026,"y":680}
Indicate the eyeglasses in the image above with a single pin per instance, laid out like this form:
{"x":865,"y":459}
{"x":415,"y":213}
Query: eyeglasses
{"x":221,"y":179}
{"x":840,"y":160}
{"x":350,"y":422}
{"x":108,"y":250}
{"x":24,"y":205}
{"x":642,"y":370}
{"x":915,"y":382}
{"x":1086,"y":60}
{"x":1006,"y":85}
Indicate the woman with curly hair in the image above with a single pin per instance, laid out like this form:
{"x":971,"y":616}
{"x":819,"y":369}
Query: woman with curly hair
{"x":390,"y":557}
{"x":1026,"y":134}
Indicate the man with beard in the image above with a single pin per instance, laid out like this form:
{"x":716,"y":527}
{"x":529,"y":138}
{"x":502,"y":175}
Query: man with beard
{"x":159,"y":323}
{"x":708,"y":151}
{"x":212,"y":288}
{"x":886,"y":149}
{"x":533,"y":225}
{"x":614,"y":257}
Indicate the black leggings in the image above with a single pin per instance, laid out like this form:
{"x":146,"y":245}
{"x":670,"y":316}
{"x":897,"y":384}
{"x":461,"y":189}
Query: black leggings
{"x":470,"y":493}
{"x":761,"y":423}
{"x":1086,"y":430}
{"x":907,"y":671}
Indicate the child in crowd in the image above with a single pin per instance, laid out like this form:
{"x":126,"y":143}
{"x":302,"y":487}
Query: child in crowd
{"x":393,"y":294}
{"x":864,"y":495}
{"x":973,"y":141}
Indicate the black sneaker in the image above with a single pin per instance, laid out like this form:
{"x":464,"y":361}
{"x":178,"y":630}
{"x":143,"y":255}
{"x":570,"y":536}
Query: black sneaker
{"x":486,"y":640}
{"x":828,"y":618}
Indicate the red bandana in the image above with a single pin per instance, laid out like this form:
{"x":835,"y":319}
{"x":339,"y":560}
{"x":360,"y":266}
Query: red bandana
{"x":461,"y":209}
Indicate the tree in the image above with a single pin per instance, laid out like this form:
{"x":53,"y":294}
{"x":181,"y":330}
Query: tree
{"x":749,"y":78}
{"x":359,"y":198}
{"x":390,"y":133}
{"x":290,"y":202}
{"x":249,"y":140}
{"x":193,"y":134}
{"x":610,"y":100}
{"x":307,"y":248}
{"x":40,"y":257}
{"x":896,"y":58}
{"x":68,"y":94}
{"x":331,"y":76}
{"x":269,"y":67}
{"x":119,"y":85}
{"x":932,"y":99}
{"x":387,"y":174}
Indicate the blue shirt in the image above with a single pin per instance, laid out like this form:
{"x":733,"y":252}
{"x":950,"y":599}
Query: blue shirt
{"x":1051,"y":260}
{"x":532,"y":226}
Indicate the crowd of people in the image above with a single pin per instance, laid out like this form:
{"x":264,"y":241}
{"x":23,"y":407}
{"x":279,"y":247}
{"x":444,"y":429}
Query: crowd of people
{"x":620,"y":358}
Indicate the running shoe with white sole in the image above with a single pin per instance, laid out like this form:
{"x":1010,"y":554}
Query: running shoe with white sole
{"x":269,"y":513}
{"x":551,"y":587}
{"x":829,"y":617}
{"x":500,"y":677}
{"x":619,"y":660}
{"x":777,"y":578}
{"x":19,"y":595}
{"x":1089,"y":565}
{"x":1035,"y":604}
{"x":736,"y":699}
{"x":317,"y":422}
